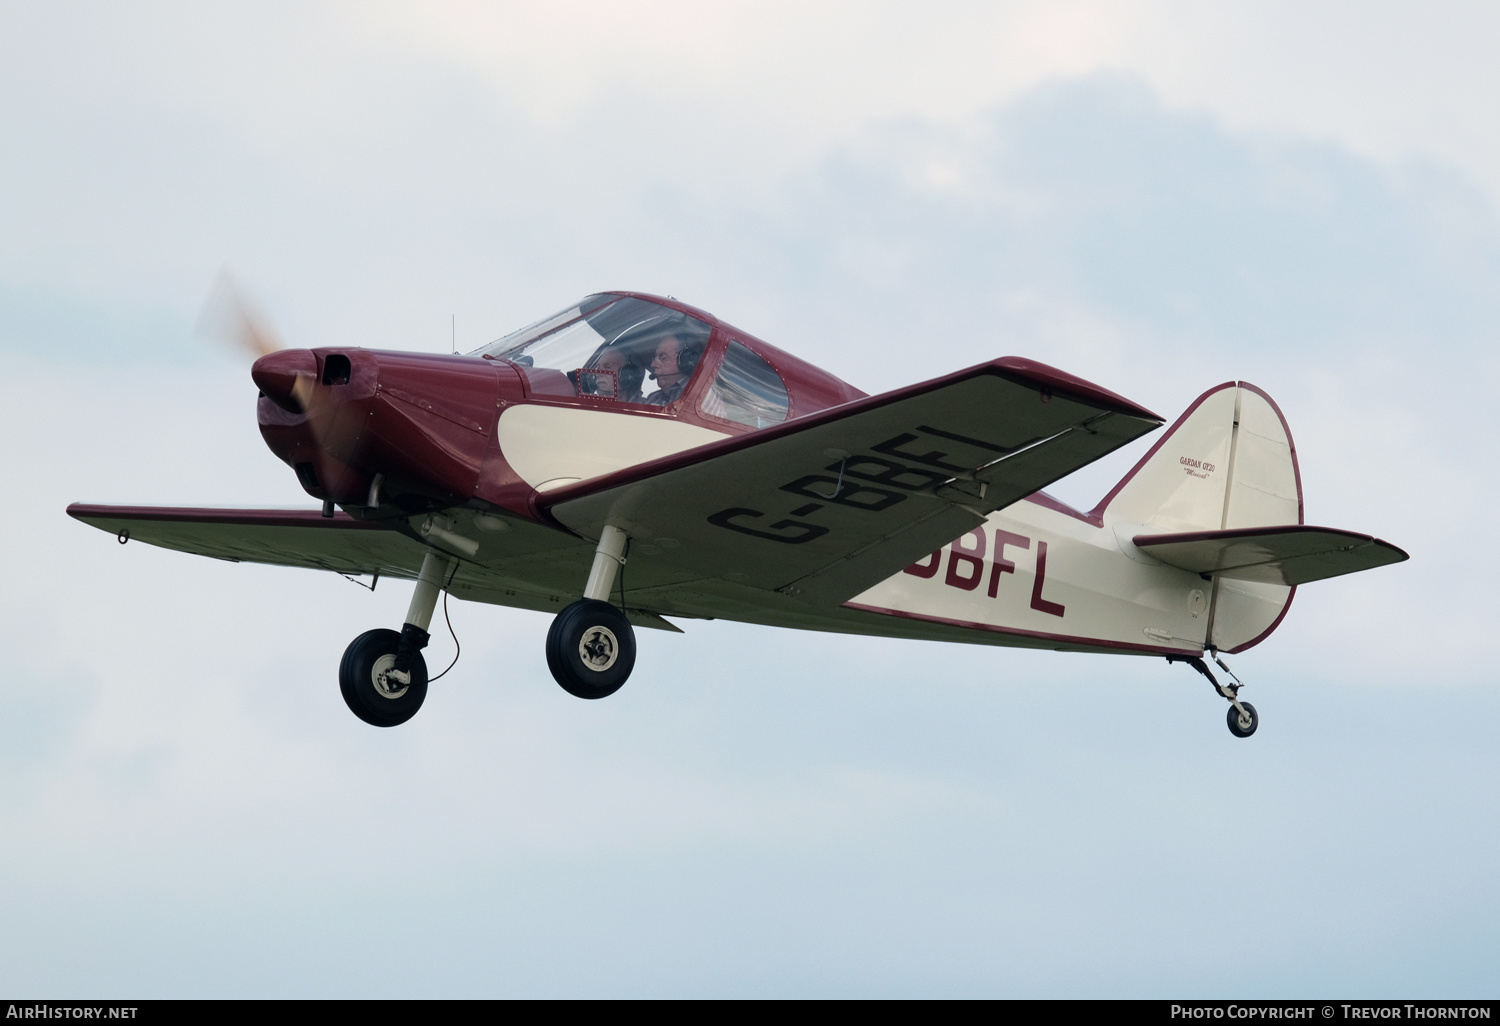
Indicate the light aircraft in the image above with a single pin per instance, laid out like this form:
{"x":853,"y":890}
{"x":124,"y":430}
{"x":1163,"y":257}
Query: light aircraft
{"x":633,"y":458}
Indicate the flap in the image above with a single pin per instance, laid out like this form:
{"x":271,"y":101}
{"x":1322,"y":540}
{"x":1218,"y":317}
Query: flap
{"x":824,"y":506}
{"x":1294,"y":554}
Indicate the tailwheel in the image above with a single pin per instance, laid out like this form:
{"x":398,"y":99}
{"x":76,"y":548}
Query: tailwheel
{"x":1243,"y":724}
{"x":1242,"y":716}
{"x":591,"y":649}
{"x":373,"y":688}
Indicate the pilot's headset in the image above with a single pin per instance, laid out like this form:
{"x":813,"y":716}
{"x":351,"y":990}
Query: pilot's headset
{"x":688,"y":355}
{"x":632,"y":376}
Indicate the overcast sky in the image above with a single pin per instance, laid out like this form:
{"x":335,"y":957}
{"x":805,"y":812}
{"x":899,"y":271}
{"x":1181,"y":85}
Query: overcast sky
{"x":1155,"y":196}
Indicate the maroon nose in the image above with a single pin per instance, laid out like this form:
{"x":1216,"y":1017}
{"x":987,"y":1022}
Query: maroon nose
{"x":284,"y":377}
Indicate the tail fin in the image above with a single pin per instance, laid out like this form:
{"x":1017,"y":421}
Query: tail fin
{"x":1228,"y":462}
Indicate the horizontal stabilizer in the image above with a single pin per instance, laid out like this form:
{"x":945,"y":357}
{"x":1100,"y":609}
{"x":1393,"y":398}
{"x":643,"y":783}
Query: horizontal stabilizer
{"x":1290,"y":555}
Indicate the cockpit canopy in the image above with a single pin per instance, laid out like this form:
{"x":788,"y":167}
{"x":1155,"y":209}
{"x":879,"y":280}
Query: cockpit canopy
{"x":612,"y":347}
{"x":632,"y":350}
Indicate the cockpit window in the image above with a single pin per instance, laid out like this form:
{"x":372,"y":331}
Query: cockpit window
{"x":747,"y":390}
{"x":611,"y":347}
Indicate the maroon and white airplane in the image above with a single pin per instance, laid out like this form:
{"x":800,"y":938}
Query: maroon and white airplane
{"x":634,"y":458}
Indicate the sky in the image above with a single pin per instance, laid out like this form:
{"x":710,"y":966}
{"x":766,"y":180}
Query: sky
{"x":1157,"y":197}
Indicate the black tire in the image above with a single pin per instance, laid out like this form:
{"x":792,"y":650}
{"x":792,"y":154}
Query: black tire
{"x":591,"y":649}
{"x":1234,"y":720}
{"x":362,"y":680}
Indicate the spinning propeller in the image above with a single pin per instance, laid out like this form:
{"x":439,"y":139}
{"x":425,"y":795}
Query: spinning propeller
{"x":288,"y":377}
{"x":326,"y":428}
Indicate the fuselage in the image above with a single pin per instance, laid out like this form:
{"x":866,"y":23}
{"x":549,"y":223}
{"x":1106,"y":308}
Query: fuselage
{"x":467,"y":446}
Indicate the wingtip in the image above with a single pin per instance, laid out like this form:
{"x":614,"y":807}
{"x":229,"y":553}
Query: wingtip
{"x":1050,"y":378}
{"x":1401,"y":554}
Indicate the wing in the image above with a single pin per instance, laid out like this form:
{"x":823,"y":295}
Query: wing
{"x":1294,"y":554}
{"x":284,"y":537}
{"x":298,"y":537}
{"x":824,"y":506}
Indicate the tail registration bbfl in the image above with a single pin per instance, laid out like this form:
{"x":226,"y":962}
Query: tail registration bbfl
{"x":636,"y":440}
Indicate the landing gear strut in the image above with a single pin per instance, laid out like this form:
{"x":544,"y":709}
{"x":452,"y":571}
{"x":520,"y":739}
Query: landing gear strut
{"x":1242,"y":716}
{"x":383,"y":676}
{"x":591,"y":646}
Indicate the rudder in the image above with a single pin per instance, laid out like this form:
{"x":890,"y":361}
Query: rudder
{"x":1227,"y":462}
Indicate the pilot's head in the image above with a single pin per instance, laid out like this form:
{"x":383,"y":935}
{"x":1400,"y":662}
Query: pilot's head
{"x":610,"y":360}
{"x":665,"y":364}
{"x":596,"y":384}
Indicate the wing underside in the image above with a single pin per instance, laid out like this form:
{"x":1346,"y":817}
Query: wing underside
{"x":523,"y":565}
{"x":282,"y":537}
{"x":825,"y":506}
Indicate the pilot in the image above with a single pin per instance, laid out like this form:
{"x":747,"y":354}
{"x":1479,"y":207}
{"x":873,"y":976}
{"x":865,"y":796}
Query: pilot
{"x":671,"y":367}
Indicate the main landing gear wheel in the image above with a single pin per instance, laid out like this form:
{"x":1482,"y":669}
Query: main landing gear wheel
{"x":591,"y":649}
{"x":1243,"y":725}
{"x":370,"y":691}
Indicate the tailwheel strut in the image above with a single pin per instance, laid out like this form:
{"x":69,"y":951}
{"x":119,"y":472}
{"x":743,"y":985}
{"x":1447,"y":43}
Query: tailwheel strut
{"x":1242,"y":717}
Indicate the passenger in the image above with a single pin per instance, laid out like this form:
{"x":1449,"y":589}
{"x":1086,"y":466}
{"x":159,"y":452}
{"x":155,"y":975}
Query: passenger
{"x":624,"y":386}
{"x":672,"y":365}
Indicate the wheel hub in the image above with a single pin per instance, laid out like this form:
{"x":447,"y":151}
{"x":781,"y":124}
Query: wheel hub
{"x":387,"y":686}
{"x":598,"y":649}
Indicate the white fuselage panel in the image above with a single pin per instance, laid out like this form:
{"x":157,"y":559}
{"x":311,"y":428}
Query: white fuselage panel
{"x":552,"y":446}
{"x":1086,"y":591}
